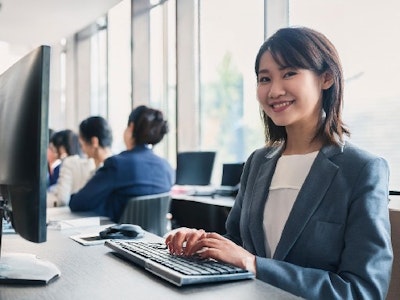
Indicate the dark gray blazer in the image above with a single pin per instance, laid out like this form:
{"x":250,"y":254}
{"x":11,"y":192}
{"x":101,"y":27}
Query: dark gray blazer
{"x":336,"y":242}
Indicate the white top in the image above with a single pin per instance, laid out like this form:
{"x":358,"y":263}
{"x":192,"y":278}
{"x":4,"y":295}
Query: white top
{"x":289,"y":176}
{"x":75,"y":171}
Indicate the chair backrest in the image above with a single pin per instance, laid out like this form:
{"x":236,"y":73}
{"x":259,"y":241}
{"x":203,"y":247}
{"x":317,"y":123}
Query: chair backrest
{"x":150,"y":212}
{"x":394,"y":288}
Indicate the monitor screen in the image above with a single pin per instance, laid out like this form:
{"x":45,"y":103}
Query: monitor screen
{"x":194,"y":168}
{"x":24,"y":97}
{"x":231,"y":174}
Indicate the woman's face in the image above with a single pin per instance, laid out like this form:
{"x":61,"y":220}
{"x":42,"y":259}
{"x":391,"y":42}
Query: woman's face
{"x":289,"y":96}
{"x":52,"y":154}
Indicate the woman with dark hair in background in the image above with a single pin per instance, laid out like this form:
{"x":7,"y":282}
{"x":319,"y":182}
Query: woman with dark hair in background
{"x":95,"y":138}
{"x":52,"y":161}
{"x":61,"y":144}
{"x":135,"y":172}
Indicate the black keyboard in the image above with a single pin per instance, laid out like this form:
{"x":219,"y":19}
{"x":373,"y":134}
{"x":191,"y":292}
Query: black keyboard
{"x":179,"y":270}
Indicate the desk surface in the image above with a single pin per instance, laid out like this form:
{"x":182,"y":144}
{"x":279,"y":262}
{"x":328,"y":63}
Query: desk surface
{"x":93,"y":272}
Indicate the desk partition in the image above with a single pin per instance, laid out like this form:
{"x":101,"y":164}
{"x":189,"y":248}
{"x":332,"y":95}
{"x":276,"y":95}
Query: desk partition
{"x":200,"y":212}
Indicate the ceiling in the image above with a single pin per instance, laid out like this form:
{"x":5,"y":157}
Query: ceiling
{"x":29,"y":23}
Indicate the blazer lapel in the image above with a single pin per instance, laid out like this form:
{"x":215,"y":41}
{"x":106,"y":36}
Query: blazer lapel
{"x":308,"y":199}
{"x":259,"y":197}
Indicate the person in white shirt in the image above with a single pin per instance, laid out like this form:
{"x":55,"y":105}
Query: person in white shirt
{"x":62,"y":144}
{"x":75,"y":171}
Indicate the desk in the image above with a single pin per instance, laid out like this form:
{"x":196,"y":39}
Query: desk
{"x":394,"y":202}
{"x":93,"y":272}
{"x":202,"y":212}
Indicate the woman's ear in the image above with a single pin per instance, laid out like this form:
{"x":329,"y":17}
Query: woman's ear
{"x":327,"y":80}
{"x":94,"y":141}
{"x":131,"y":127}
{"x":62,"y":152}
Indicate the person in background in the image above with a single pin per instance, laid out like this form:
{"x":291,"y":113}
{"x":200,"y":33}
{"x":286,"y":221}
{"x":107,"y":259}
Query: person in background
{"x":52,"y":161}
{"x":135,"y":172}
{"x":61,"y":144}
{"x":311,"y":215}
{"x":95,"y":138}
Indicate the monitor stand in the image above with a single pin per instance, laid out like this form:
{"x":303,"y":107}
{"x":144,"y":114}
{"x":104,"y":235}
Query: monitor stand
{"x":24,"y":268}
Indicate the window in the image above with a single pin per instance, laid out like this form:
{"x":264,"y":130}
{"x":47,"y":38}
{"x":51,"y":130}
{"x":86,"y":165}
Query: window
{"x":98,"y":64}
{"x":119,"y":71}
{"x":162,"y":69}
{"x":229,"y":41}
{"x":365,"y":36}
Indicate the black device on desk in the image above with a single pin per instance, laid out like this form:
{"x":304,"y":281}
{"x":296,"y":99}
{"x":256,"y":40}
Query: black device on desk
{"x":24,"y":96}
{"x":122,"y":231}
{"x":194,"y":168}
{"x":155,"y":258}
{"x":231,"y":173}
{"x":230,"y":181}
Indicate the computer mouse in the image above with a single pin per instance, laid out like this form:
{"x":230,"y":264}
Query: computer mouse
{"x":122,"y":231}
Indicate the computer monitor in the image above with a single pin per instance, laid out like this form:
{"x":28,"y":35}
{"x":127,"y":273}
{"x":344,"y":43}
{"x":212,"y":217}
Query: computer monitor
{"x":195,"y":167}
{"x":24,"y":97}
{"x":231,"y":174}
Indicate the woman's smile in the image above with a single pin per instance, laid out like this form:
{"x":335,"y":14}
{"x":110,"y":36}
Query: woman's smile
{"x":281,"y":106}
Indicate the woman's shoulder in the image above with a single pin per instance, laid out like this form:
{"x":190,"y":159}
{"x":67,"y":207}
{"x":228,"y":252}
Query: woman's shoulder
{"x":351,"y":154}
{"x":267,"y":151}
{"x":74,"y":160}
{"x":125,"y":157}
{"x":352,"y":150}
{"x":71,"y":160}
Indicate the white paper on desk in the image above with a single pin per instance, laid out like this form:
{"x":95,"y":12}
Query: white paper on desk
{"x":74,"y":223}
{"x":88,"y":239}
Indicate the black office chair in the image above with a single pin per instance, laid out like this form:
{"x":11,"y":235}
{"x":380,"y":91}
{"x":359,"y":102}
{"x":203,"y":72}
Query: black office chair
{"x":150,"y":212}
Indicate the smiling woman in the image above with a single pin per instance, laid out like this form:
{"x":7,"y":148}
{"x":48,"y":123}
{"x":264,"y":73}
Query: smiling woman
{"x":302,"y":218}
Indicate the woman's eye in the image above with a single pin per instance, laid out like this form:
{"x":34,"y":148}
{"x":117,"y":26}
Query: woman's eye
{"x":289,"y":74}
{"x":263,"y":79}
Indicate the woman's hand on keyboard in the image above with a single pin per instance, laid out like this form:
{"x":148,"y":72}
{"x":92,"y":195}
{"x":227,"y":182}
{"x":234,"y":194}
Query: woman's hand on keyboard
{"x":180,"y":239}
{"x":188,"y":242}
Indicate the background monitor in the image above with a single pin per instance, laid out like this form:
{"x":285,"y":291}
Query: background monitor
{"x":24,"y":97}
{"x":194,"y":168}
{"x":231,"y":174}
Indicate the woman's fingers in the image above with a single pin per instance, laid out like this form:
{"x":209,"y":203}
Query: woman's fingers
{"x":188,"y":242}
{"x":191,"y":240}
{"x":179,"y":240}
{"x":203,"y":240}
